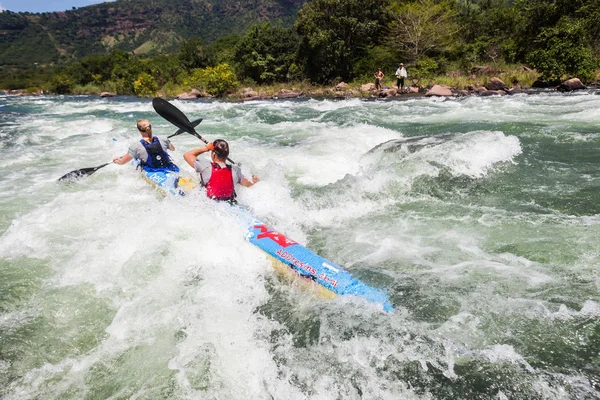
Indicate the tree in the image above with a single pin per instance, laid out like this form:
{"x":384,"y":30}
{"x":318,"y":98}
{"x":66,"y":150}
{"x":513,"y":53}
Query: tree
{"x":422,"y":27}
{"x":337,"y":33}
{"x":266,"y":53}
{"x":563,"y":51}
{"x":194,"y":53}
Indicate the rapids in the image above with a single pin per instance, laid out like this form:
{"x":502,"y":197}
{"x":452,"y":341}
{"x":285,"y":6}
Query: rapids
{"x":479,"y":216}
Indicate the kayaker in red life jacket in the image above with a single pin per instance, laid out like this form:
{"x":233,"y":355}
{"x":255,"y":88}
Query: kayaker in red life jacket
{"x":216,"y":175}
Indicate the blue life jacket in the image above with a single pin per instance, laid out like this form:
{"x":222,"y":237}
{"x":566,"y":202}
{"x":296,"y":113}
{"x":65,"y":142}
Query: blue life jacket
{"x":157,"y":157}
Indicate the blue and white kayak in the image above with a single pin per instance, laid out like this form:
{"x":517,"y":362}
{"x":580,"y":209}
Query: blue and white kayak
{"x":166,"y":181}
{"x":287,"y":256}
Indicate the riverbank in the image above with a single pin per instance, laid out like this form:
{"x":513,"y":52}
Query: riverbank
{"x":483,"y":81}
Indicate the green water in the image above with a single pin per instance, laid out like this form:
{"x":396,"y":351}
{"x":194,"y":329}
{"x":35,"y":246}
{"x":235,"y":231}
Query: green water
{"x":480,"y":217}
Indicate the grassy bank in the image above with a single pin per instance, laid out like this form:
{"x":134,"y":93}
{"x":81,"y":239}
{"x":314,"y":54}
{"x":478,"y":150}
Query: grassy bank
{"x":511,"y":75}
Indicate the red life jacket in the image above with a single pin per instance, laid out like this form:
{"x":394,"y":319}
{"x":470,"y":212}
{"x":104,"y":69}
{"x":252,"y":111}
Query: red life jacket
{"x":220,"y":184}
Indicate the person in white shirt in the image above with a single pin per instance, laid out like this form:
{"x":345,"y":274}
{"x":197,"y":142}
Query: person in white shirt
{"x":400,"y":75}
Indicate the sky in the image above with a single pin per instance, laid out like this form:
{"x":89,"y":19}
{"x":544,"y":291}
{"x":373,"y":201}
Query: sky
{"x":44,"y":5}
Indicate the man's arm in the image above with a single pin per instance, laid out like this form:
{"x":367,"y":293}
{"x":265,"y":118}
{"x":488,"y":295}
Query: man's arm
{"x":123,"y":159}
{"x":190,"y":156}
{"x":247,"y":183}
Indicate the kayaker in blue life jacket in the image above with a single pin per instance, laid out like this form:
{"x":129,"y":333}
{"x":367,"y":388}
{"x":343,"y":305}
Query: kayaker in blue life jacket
{"x":218,"y":177}
{"x":151,"y":151}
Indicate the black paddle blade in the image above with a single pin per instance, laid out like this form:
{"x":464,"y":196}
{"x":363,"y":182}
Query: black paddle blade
{"x":180,"y":131}
{"x":172,"y":114}
{"x":81,"y":172}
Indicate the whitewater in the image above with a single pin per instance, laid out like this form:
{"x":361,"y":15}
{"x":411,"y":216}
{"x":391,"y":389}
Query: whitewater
{"x":479,"y":217}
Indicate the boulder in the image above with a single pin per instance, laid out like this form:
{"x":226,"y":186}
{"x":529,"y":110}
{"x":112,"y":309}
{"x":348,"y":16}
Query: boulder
{"x":288,"y":94}
{"x":341,"y":86}
{"x":249,"y":92}
{"x":367,"y":87}
{"x":492,"y":93}
{"x":413,"y":89}
{"x":495,"y":84}
{"x":539,"y":84}
{"x":106,"y":94}
{"x":388,"y":93}
{"x":186,"y":96}
{"x":253,"y":98}
{"x":438,"y":90}
{"x":571,"y":84}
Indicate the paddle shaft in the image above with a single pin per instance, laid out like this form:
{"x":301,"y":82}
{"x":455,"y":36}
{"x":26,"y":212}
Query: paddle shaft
{"x":172,"y":114}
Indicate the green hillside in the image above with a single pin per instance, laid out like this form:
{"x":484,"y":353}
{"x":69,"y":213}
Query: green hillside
{"x":143,"y":26}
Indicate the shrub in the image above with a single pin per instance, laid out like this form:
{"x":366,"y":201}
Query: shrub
{"x":145,"y":85}
{"x":61,"y":84}
{"x":216,"y":81}
{"x":90,"y":88}
{"x":425,"y":68}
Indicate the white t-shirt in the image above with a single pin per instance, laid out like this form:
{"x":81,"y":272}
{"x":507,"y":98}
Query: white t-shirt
{"x":204,"y":168}
{"x":401,"y":72}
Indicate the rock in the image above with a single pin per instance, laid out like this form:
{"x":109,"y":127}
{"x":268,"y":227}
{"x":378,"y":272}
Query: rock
{"x":492,"y":93}
{"x":388,"y":93}
{"x":249,"y":92}
{"x":495,"y":84}
{"x":538,"y":84}
{"x":462,"y":93}
{"x":288,"y":94}
{"x":571,"y":84}
{"x":107,"y":94}
{"x":186,"y":96}
{"x":341,"y":86}
{"x":253,"y":98}
{"x":367,"y":87}
{"x":413,"y":89}
{"x":438,"y":90}
{"x":514,"y":90}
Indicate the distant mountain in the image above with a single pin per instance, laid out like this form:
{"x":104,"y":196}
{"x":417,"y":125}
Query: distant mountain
{"x":143,"y":26}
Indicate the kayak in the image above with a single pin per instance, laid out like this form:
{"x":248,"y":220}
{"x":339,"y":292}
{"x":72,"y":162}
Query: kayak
{"x":288,"y":257}
{"x":166,"y":181}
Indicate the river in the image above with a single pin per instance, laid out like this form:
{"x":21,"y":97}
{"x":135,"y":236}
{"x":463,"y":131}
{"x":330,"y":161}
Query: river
{"x":479,"y":216}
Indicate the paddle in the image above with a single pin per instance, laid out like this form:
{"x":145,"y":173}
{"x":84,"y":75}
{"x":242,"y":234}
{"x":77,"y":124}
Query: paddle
{"x":78,"y":173}
{"x":180,"y":131}
{"x":172,"y":114}
{"x":88,"y":171}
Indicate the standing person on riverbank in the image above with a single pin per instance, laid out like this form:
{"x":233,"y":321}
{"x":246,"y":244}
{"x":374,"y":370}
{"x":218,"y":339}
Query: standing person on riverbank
{"x":218,"y":177}
{"x":151,"y":151}
{"x":378,"y":78}
{"x":400,"y":76}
